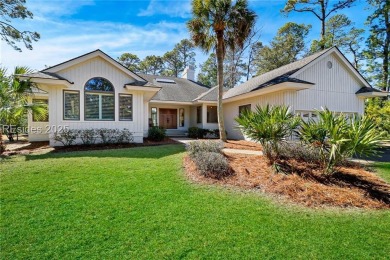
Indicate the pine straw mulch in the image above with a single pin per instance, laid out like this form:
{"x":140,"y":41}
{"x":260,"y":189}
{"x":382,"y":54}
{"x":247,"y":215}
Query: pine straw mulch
{"x":242,"y":145}
{"x":351,"y":187}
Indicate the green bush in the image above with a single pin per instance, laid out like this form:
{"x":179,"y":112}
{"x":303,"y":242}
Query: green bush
{"x":338,"y":138}
{"x":156,"y":133}
{"x":125,"y":136}
{"x":2,"y":146}
{"x":198,"y":147}
{"x":268,"y":125}
{"x":197,"y":133}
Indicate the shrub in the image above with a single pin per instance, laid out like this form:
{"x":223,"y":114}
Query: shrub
{"x":87,"y":136}
{"x":2,"y":146}
{"x":339,"y":138}
{"x":299,"y":151}
{"x":156,"y":133}
{"x":196,"y":132}
{"x":108,"y":136}
{"x":212,"y":164}
{"x":66,"y":137}
{"x":198,"y":147}
{"x":269,"y":126}
{"x":125,"y":136}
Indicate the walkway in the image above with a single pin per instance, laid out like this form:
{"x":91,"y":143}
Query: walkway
{"x":186,"y":140}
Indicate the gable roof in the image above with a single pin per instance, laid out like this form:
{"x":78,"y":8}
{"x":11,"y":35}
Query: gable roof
{"x":44,"y":75}
{"x":90,"y":55}
{"x":180,"y":90}
{"x":276,"y":76}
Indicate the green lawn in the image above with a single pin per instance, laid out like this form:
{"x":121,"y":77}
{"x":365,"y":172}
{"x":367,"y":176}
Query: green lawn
{"x":136,"y":203}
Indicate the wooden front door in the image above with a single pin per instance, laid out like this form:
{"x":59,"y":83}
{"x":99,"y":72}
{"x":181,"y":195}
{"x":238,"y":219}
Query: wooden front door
{"x":168,"y":118}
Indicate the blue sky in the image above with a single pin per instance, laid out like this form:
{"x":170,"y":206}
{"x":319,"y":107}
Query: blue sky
{"x":143,"y":27}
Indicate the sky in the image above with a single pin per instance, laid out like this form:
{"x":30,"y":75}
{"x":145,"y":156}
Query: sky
{"x":143,"y":27}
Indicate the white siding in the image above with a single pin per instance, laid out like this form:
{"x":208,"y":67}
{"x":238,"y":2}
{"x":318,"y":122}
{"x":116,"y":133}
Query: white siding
{"x":231,"y":110}
{"x":80,"y":74}
{"x":334,"y":88}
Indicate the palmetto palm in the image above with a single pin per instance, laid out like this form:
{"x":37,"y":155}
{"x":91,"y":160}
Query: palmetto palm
{"x":220,"y":24}
{"x":15,"y":98}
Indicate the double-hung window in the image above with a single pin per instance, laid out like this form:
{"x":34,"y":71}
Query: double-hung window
{"x":71,"y":105}
{"x":126,"y":107}
{"x":99,"y":100}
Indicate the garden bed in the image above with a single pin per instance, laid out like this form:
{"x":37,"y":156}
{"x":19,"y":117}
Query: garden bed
{"x":350,"y":187}
{"x":41,"y":147}
{"x":242,"y":145}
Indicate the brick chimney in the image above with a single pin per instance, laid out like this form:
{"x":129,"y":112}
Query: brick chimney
{"x":189,"y":73}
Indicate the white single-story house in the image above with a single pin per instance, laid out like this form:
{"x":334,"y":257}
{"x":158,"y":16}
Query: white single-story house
{"x":95,"y":91}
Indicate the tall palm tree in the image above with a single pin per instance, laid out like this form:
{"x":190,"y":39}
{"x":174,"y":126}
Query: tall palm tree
{"x":220,"y":24}
{"x":15,"y":99}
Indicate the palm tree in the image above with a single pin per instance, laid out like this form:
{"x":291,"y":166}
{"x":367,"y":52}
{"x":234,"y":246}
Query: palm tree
{"x":15,"y":99}
{"x":220,"y":24}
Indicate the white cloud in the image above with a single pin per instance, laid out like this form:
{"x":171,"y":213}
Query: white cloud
{"x":61,"y":41}
{"x":178,"y":8}
{"x":43,"y":8}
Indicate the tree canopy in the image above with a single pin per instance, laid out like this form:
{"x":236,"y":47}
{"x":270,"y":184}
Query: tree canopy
{"x":15,"y":9}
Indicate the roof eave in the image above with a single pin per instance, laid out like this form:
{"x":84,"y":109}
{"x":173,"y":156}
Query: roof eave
{"x":372,"y":94}
{"x":285,"y":86}
{"x":55,"y":82}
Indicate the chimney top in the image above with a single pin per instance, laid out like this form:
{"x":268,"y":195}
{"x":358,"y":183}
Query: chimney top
{"x":189,"y":73}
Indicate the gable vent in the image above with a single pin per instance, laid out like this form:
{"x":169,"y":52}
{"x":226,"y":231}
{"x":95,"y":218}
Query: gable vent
{"x":171,"y":81}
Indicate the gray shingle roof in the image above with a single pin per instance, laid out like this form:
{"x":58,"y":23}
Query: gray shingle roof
{"x":210,"y":95}
{"x":182,"y":90}
{"x":274,"y":77}
{"x":368,"y":90}
{"x":44,"y":75}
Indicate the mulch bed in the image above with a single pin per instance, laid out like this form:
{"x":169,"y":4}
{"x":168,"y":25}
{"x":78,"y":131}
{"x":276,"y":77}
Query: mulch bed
{"x":242,"y":145}
{"x":350,"y":187}
{"x":33,"y":147}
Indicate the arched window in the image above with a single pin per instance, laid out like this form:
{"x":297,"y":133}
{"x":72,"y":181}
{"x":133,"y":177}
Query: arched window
{"x":99,"y":99}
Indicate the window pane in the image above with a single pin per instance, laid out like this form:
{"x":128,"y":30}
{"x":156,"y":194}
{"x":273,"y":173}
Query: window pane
{"x":108,"y":107}
{"x":181,"y":117}
{"x":71,"y":105}
{"x":212,"y":116}
{"x":91,"y":107}
{"x":125,"y":107}
{"x":99,"y":84}
{"x":243,"y":108}
{"x":199,"y":115}
{"x":154,"y":116}
{"x":41,"y":118}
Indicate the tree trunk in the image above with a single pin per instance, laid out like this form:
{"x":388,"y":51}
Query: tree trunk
{"x":386,"y":50}
{"x":323,"y":18}
{"x":220,"y":57}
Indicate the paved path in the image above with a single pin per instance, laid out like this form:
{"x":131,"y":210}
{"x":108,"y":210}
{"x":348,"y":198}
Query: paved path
{"x":186,"y":140}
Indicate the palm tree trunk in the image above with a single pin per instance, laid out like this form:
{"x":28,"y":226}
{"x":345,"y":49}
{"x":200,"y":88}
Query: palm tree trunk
{"x":220,"y":57}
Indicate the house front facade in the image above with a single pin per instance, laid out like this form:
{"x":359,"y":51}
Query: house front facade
{"x":95,"y":91}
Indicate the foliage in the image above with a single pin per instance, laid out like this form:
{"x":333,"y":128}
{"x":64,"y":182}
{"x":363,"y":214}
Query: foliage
{"x":2,"y":145}
{"x":196,"y":132}
{"x":208,"y":71}
{"x":156,"y":133}
{"x":378,"y":44}
{"x":15,"y":97}
{"x":67,"y":136}
{"x":87,"y":136}
{"x":152,"y":64}
{"x":321,"y":9}
{"x":185,"y":50}
{"x":196,"y":147}
{"x":15,"y":9}
{"x":125,"y":136}
{"x":130,"y":61}
{"x":378,"y":110}
{"x":173,"y":63}
{"x":339,"y":138}
{"x":107,"y":136}
{"x":212,"y":164}
{"x":299,"y":151}
{"x":220,"y":24}
{"x":285,"y":48}
{"x":268,"y":125}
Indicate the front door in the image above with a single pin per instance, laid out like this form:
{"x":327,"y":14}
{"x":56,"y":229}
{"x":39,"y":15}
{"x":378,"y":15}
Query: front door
{"x":168,"y":118}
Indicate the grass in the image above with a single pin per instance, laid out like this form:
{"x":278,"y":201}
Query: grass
{"x":136,"y":203}
{"x":383,"y":170}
